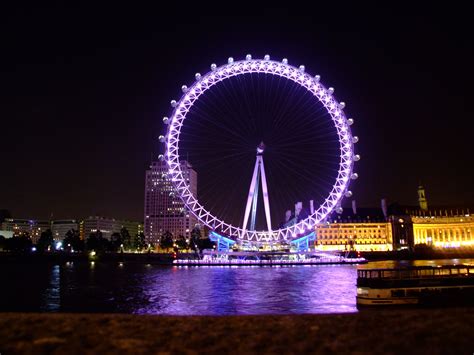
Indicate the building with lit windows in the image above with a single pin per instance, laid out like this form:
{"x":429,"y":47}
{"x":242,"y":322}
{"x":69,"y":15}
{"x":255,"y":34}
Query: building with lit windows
{"x":444,"y":231}
{"x":164,"y":210}
{"x":61,"y":226}
{"x":107,"y":226}
{"x":30,"y":227}
{"x":359,"y":229}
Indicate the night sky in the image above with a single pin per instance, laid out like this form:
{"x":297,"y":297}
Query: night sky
{"x":84,"y":90}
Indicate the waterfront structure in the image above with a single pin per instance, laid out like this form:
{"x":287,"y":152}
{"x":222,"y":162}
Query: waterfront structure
{"x":363,"y":229}
{"x":107,"y":226}
{"x":444,"y":231}
{"x":60,"y":227}
{"x":296,"y":75}
{"x":164,"y":210}
{"x":30,"y":227}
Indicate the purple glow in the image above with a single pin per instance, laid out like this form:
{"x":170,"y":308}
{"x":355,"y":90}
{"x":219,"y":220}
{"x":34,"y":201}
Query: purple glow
{"x":297,"y":75}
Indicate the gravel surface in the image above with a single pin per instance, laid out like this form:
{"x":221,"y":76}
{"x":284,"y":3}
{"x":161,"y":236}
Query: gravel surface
{"x":426,"y":331}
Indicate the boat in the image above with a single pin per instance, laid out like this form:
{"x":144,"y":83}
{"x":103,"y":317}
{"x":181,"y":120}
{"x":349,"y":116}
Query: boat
{"x":216,"y":258}
{"x":416,"y":285}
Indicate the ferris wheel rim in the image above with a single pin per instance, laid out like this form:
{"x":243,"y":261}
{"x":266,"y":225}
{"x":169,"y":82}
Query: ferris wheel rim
{"x":298,"y":76}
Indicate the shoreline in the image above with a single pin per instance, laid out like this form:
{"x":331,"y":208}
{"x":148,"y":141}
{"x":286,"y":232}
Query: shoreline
{"x":434,"y":331}
{"x":167,"y":258}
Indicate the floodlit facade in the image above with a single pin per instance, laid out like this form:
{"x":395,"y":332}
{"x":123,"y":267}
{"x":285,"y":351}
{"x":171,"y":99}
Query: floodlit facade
{"x":354,"y":236}
{"x":444,"y":231}
{"x":359,"y":229}
{"x":164,"y":210}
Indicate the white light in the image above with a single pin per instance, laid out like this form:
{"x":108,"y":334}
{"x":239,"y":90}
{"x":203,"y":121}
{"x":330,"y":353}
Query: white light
{"x":302,"y":68}
{"x":331,"y":90}
{"x":284,"y":61}
{"x":166,"y":120}
{"x":184,"y":88}
{"x":161,"y":138}
{"x":348,"y":193}
{"x":355,"y":139}
{"x":266,"y":57}
{"x":339,"y":210}
{"x":356,"y":157}
{"x":59,"y":245}
{"x":248,"y":57}
{"x":354,"y":176}
{"x":161,"y":157}
{"x":317,"y":78}
{"x":230,"y":60}
{"x":197,"y":76}
{"x":173,"y":103}
{"x":350,"y":121}
{"x":342,"y":105}
{"x":213,"y":66}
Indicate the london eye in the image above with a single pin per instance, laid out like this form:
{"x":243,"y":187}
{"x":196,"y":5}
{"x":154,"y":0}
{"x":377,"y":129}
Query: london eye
{"x":235,"y":115}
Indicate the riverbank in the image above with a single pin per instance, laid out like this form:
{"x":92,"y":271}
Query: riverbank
{"x":167,"y":258}
{"x":436,"y":331}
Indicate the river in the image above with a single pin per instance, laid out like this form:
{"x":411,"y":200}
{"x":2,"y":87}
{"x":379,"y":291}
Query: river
{"x":153,"y":289}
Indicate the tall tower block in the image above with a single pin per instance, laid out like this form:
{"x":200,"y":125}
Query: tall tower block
{"x":422,"y":198}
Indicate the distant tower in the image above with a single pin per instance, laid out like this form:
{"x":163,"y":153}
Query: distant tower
{"x":422,"y":198}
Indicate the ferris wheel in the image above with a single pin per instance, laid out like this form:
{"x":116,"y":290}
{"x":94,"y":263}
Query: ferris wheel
{"x":334,"y":110}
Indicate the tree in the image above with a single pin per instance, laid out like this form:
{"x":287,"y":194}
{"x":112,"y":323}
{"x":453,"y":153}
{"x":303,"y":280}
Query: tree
{"x":181,"y":243}
{"x":3,"y":242}
{"x":97,"y":242}
{"x":195,"y":237}
{"x":72,"y":241}
{"x":116,"y":242}
{"x":21,"y":244}
{"x":139,"y":241}
{"x":45,"y":241}
{"x":127,"y":241}
{"x":166,"y":241}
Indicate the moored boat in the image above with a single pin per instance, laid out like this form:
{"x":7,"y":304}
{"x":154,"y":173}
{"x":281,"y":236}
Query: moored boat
{"x":416,"y":285}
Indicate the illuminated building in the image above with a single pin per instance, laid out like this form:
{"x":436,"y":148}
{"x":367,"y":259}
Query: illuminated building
{"x":422,"y":199}
{"x":444,"y":231}
{"x":61,"y":227}
{"x":164,"y":210}
{"x":30,"y":227}
{"x":107,"y":226}
{"x":364,"y":229}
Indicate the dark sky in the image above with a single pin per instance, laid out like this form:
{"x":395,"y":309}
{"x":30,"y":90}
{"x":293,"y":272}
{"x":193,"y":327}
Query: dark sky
{"x":84,"y":89}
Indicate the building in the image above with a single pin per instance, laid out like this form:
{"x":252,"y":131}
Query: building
{"x":133,"y":228}
{"x":92,"y":224}
{"x":62,"y":226}
{"x":359,"y":229}
{"x":30,"y":227}
{"x":444,"y":231}
{"x":164,"y":210}
{"x":107,"y":226}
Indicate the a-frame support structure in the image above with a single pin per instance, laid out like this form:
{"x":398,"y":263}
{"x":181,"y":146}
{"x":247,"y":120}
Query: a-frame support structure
{"x":258,"y":175}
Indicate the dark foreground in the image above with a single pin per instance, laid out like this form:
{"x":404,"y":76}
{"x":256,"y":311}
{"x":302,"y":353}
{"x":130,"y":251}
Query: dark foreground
{"x":437,"y":331}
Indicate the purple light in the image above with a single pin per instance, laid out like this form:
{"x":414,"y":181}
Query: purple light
{"x":284,"y":70}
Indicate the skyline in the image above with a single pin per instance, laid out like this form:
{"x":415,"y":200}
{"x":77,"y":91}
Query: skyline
{"x":85,"y":104}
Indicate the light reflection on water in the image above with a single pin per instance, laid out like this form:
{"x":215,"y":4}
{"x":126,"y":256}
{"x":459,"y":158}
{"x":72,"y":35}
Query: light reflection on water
{"x":152,"y":289}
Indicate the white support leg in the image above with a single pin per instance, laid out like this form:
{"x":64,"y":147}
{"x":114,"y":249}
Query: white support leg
{"x":250,"y":197}
{"x":266,"y":203}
